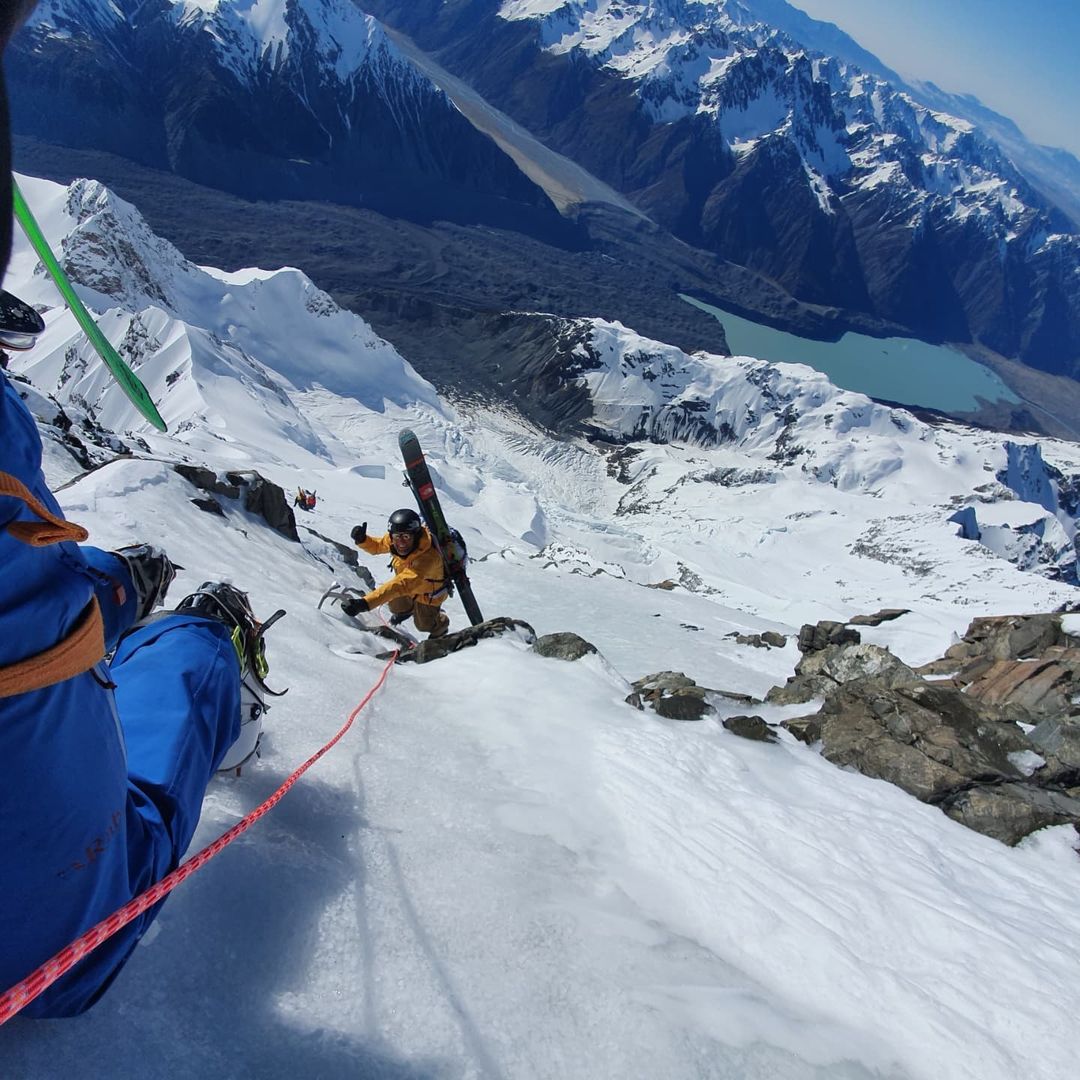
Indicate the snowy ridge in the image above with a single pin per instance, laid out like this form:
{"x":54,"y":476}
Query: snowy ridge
{"x":251,"y":35}
{"x":764,"y":423}
{"x":210,"y":346}
{"x":788,"y":413}
{"x":255,"y":39}
{"x":854,"y":129}
{"x":228,"y":354}
{"x":504,"y":870}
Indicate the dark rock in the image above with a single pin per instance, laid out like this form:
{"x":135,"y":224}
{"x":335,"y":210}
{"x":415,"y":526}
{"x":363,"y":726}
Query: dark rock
{"x":211,"y":506}
{"x":825,"y":633}
{"x":884,"y":615}
{"x":437,"y":648}
{"x":750,"y":727}
{"x":820,"y":672}
{"x":1009,"y":812}
{"x":683,"y":705}
{"x":267,"y":500}
{"x":1058,"y":741}
{"x":928,"y":740}
{"x":563,"y":646}
{"x":261,"y":496}
{"x":207,"y":480}
{"x":673,"y":695}
{"x":806,"y":729}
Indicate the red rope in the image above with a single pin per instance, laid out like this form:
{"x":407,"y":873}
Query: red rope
{"x":20,"y":995}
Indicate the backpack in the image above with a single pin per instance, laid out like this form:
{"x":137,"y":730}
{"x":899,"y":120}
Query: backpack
{"x":455,"y":558}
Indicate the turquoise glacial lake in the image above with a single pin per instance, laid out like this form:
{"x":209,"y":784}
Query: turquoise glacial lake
{"x":903,"y":370}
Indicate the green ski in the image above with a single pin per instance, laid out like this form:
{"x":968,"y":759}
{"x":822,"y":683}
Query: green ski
{"x":128,"y":380}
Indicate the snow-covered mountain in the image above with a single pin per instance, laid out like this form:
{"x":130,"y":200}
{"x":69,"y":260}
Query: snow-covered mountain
{"x":278,"y":99}
{"x":726,"y":123}
{"x":504,"y":869}
{"x":255,"y":351}
{"x":201,"y":340}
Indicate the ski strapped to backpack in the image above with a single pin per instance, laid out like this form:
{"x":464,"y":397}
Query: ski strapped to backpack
{"x":449,"y":541}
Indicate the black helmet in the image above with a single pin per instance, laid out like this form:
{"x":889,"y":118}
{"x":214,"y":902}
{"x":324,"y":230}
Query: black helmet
{"x":404,"y":521}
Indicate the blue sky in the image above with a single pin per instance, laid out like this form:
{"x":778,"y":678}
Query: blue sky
{"x":1022,"y":59}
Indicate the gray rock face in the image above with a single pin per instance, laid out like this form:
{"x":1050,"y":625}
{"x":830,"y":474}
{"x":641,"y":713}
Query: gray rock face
{"x":1059,"y":741}
{"x":821,"y":672}
{"x":563,"y":646}
{"x":1010,"y":812}
{"x":930,"y":741}
{"x":957,"y":742}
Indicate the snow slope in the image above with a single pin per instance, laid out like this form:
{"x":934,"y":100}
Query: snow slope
{"x":504,"y":870}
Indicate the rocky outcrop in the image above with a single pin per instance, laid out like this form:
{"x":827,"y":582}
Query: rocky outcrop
{"x":437,"y":648}
{"x":750,"y":727}
{"x":833,"y":654}
{"x":878,"y":617}
{"x":672,"y":695}
{"x":261,"y":497}
{"x":770,"y":639}
{"x":1002,"y":637}
{"x":1010,"y":812}
{"x":931,"y":741}
{"x":990,"y":732}
{"x":563,"y":646}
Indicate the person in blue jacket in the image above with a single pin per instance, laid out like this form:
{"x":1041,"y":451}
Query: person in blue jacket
{"x":106,"y":761}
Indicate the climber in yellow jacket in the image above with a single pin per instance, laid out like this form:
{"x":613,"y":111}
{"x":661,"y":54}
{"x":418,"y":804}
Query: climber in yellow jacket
{"x":418,"y":586}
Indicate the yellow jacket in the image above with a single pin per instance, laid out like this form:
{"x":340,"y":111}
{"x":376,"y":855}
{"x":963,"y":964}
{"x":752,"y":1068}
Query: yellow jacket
{"x":420,"y":574}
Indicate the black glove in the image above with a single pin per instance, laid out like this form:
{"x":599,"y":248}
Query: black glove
{"x":359,"y":533}
{"x":353,"y":605}
{"x":400,"y":617}
{"x":151,"y":572}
